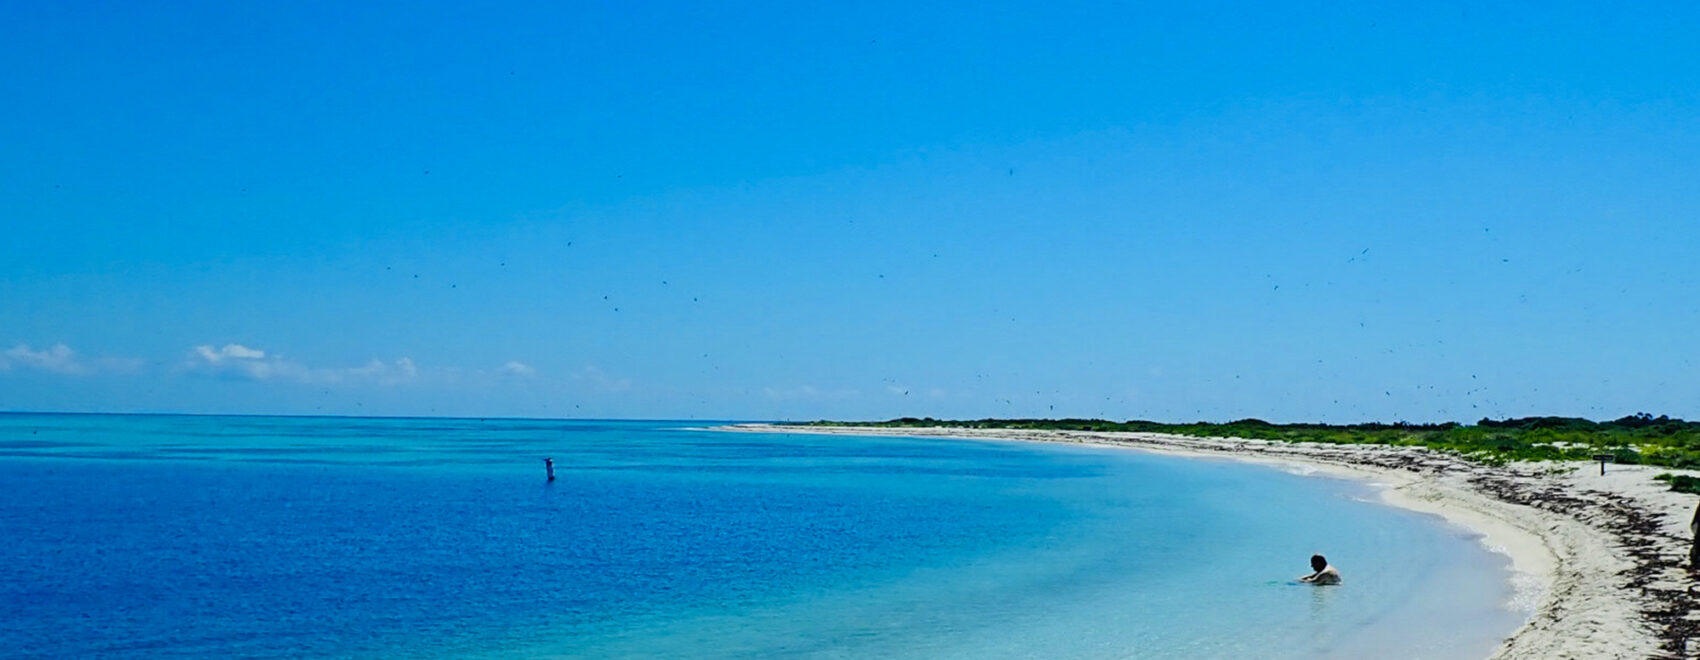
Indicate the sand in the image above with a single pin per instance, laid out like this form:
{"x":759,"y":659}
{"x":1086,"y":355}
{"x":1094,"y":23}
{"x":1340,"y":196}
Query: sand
{"x":1603,"y":561}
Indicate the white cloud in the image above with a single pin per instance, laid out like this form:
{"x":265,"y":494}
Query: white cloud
{"x":243,"y":362}
{"x":236,"y":360}
{"x":229,"y":352}
{"x":518,"y":368}
{"x":59,"y":359}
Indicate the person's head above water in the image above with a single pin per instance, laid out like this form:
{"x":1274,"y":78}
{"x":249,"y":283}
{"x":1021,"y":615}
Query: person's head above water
{"x":1318,"y":562}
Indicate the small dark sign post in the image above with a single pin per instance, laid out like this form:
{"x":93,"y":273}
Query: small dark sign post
{"x":1604,"y":459}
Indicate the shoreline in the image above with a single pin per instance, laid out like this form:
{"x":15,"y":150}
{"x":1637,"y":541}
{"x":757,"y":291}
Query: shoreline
{"x":1604,"y":559}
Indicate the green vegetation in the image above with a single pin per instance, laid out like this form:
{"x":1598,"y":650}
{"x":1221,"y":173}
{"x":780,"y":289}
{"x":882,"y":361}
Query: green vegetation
{"x":1681,"y":483}
{"x":1637,"y":439}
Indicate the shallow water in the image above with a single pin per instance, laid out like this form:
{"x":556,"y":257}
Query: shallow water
{"x":190,"y":537}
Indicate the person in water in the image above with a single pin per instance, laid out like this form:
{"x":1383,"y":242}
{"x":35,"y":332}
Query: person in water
{"x":1325,"y":574}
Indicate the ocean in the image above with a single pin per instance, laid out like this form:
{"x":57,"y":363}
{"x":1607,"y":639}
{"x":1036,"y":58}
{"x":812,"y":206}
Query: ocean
{"x":140,"y":536}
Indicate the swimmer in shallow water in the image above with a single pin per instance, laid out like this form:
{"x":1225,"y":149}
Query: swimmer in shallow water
{"x":1325,"y":574}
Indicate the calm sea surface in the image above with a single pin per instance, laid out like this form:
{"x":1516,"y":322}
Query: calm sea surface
{"x":272,"y":537}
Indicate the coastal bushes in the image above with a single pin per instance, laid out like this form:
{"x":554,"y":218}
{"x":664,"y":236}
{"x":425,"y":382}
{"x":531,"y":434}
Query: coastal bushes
{"x":1681,"y":483}
{"x":1642,"y":438}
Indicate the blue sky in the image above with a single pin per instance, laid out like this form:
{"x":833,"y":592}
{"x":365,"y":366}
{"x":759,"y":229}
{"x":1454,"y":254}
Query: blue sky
{"x":1311,"y":211}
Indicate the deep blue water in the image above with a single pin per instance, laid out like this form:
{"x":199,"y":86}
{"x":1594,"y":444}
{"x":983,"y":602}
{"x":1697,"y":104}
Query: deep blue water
{"x":264,"y":537}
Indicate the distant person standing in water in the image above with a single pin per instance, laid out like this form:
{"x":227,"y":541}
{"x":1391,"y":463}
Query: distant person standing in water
{"x":549,"y":466}
{"x":1324,"y":574}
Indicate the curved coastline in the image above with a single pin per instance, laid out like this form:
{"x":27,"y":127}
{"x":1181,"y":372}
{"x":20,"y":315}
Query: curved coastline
{"x":1602,"y":558}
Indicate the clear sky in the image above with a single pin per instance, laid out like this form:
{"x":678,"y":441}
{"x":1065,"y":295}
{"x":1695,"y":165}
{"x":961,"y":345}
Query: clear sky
{"x":1311,"y":211}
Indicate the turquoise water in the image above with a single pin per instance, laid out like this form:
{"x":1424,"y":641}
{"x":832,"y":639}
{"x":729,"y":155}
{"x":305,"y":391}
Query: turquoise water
{"x":267,"y":537}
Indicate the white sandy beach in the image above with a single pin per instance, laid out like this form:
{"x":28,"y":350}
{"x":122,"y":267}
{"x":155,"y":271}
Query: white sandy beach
{"x":1603,"y":558}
